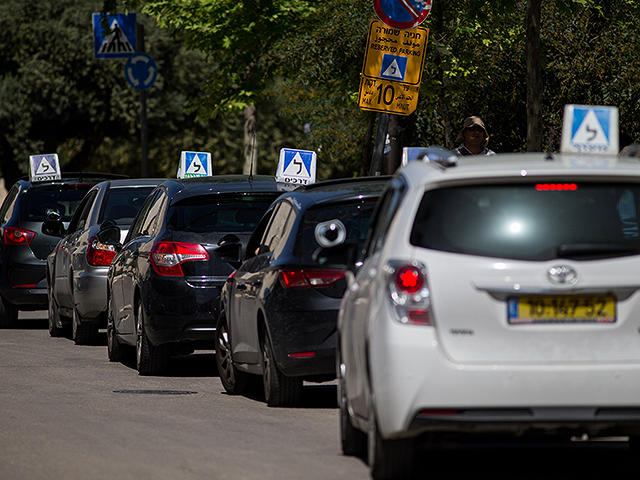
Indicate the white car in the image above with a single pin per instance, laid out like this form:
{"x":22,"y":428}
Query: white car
{"x":496,"y":295}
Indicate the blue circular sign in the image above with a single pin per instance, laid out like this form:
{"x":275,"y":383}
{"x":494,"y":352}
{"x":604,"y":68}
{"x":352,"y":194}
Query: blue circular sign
{"x":141,"y":71}
{"x":402,"y":14}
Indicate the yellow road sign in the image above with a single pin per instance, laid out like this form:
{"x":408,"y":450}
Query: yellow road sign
{"x":396,"y":55}
{"x":385,"y":96}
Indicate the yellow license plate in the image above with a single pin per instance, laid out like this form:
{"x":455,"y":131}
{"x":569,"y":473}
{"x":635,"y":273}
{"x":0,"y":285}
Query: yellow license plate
{"x":562,"y":309}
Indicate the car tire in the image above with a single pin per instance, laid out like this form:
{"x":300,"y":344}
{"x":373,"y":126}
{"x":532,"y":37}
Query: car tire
{"x":234,"y":381}
{"x":150,"y":359}
{"x":83,"y":333}
{"x":8,"y":314}
{"x":115,"y":349}
{"x":354,"y":441}
{"x":389,"y":459}
{"x":279,"y":390}
{"x":54,"y":316}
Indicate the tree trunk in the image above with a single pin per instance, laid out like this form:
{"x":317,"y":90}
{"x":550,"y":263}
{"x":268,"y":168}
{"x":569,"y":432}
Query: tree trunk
{"x":250,"y":141}
{"x":438,"y":27}
{"x":534,"y":77}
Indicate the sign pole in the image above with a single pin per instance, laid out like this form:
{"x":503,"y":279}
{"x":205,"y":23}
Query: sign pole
{"x":378,"y":149}
{"x":144,"y":124}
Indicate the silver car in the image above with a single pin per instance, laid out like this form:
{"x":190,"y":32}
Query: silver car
{"x":497,"y":295}
{"x":78,"y":266}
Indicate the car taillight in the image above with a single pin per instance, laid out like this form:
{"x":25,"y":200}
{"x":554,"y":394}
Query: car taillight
{"x":309,"y":278}
{"x":409,"y":292}
{"x":99,"y":254}
{"x":166,"y":257}
{"x":17,"y":236}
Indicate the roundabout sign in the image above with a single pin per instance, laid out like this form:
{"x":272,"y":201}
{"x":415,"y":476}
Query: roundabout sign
{"x":141,"y":71}
{"x":402,"y":14}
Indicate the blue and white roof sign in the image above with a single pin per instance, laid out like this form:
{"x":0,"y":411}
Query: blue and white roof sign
{"x":590,"y":129}
{"x":195,"y":164}
{"x":120,"y":40}
{"x":394,"y":67}
{"x":296,"y":166}
{"x":43,"y":168}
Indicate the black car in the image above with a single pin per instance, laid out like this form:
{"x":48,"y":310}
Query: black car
{"x":24,"y":248}
{"x":281,"y":305}
{"x":164,"y":284}
{"x":78,"y":266}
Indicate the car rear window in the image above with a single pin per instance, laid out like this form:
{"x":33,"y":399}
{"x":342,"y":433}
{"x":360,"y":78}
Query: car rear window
{"x":123,"y":204}
{"x":219,"y":213}
{"x":65,"y":198}
{"x":354,"y":215}
{"x":539,"y":221}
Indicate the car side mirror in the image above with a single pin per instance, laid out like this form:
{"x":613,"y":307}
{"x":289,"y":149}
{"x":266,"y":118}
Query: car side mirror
{"x":109,"y":233}
{"x":230,"y":250}
{"x":52,"y":224}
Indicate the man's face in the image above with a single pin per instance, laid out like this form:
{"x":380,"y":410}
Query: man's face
{"x":473,"y":135}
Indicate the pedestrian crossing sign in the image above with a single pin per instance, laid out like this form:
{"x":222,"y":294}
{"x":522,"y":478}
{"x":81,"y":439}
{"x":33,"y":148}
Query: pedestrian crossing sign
{"x":195,"y":164}
{"x":119,"y":41}
{"x":296,"y":166}
{"x":590,"y":129}
{"x":44,"y":168}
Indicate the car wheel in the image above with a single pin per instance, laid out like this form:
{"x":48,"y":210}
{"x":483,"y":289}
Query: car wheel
{"x":389,"y":459}
{"x":150,"y":359}
{"x":279,"y":390}
{"x":354,"y":441}
{"x":54,"y":317}
{"x":8,"y":314}
{"x":83,"y":333}
{"x":234,"y":381}
{"x":115,"y":349}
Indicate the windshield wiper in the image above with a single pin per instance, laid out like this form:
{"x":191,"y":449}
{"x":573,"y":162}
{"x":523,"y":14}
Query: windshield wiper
{"x":587,"y":249}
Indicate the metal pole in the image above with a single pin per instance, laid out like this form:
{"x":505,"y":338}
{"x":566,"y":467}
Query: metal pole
{"x":378,"y":149}
{"x":144,"y":125}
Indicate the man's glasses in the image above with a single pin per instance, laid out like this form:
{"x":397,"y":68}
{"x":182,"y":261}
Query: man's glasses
{"x":475,"y":128}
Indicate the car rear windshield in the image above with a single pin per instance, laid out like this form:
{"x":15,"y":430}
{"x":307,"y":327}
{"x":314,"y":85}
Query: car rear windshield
{"x":65,"y":198}
{"x":539,"y":221}
{"x":354,"y":215}
{"x":123,"y":204}
{"x":219,"y":213}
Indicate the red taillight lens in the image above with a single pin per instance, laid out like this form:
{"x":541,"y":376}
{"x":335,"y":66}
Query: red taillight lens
{"x":99,"y":254}
{"x":310,"y":278}
{"x":553,"y":187}
{"x":409,"y":292}
{"x":17,"y":236}
{"x":166,"y":257}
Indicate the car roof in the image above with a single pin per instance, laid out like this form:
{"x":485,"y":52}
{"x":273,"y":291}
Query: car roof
{"x":178,"y":189}
{"x":522,"y":165}
{"x":133,"y":182}
{"x":339,"y":190}
{"x":89,"y":178}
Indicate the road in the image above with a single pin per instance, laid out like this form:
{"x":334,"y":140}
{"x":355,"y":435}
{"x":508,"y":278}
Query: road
{"x":68,"y":413}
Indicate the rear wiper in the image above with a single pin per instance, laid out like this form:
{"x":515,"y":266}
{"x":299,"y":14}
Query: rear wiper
{"x":579,"y":249}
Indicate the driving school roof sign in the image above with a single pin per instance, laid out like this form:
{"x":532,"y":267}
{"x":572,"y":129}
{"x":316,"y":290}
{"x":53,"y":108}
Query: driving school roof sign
{"x":296,"y":166}
{"x":195,"y":164}
{"x":120,"y":40}
{"x":590,"y":129}
{"x":402,"y":14}
{"x":43,"y":168}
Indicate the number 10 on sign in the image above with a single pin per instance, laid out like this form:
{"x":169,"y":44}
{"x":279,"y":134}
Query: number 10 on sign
{"x":385,"y":96}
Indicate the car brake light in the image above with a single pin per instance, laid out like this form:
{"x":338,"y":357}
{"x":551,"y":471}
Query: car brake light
{"x":546,"y":187}
{"x":18,"y":236}
{"x":100,"y":254}
{"x":309,"y":278}
{"x":410,"y":295}
{"x":166,"y":257}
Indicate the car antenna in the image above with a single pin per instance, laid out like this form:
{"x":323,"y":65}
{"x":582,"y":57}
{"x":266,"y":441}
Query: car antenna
{"x":253,"y":153}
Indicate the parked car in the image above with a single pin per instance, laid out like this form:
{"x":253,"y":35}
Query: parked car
{"x":24,"y":247}
{"x":497,"y":296}
{"x":281,"y":305}
{"x":164,"y":283}
{"x":77,"y":268}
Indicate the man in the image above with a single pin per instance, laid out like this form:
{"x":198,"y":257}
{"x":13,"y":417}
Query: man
{"x":473,"y":138}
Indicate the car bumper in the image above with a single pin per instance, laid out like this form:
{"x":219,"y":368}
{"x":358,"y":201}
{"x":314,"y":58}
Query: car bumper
{"x":418,"y":389}
{"x":25,"y":284}
{"x":179,"y":312}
